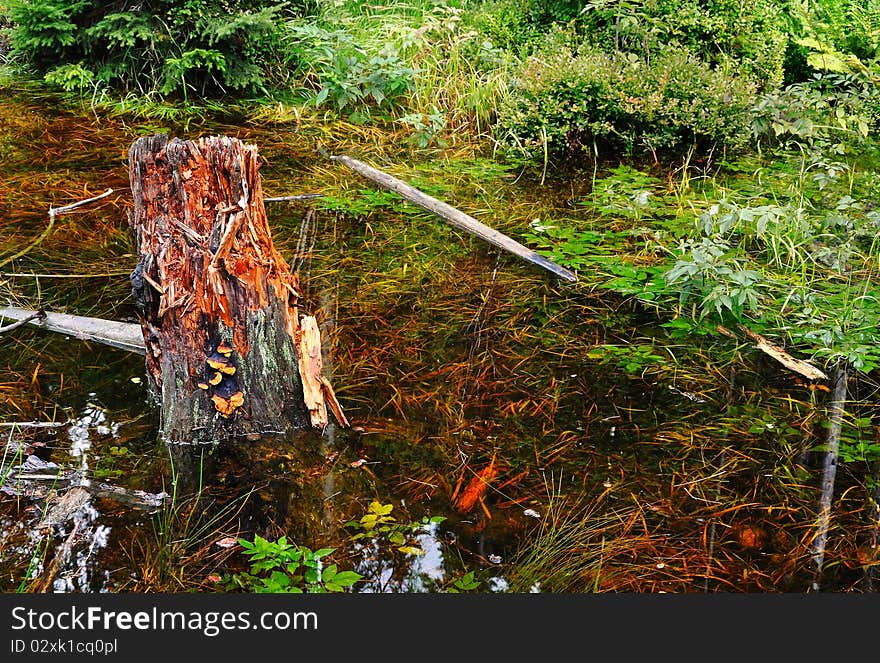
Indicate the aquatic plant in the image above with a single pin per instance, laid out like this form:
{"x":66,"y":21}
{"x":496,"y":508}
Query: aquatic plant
{"x":278,"y":567}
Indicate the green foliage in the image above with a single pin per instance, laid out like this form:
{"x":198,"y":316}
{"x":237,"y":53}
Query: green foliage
{"x":72,"y":77}
{"x":791,"y":250}
{"x":278,"y":567}
{"x":338,"y":70}
{"x":566,"y":100}
{"x":750,"y":37}
{"x":547,"y":12}
{"x":46,"y":31}
{"x":426,"y":129}
{"x":387,"y":548}
{"x":197,"y":47}
{"x":857,"y":443}
{"x":828,"y":111}
{"x":624,"y":192}
{"x":467,"y":582}
{"x":837,"y":324}
{"x":508,"y":24}
{"x":717,"y":274}
{"x":632,"y":359}
{"x":837,"y":36}
{"x":565,"y":245}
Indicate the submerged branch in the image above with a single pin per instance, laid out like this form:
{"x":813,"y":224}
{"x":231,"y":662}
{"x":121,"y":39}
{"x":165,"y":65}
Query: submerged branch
{"x":829,"y":470}
{"x":772,"y":350}
{"x":53,"y":212}
{"x":453,"y":216}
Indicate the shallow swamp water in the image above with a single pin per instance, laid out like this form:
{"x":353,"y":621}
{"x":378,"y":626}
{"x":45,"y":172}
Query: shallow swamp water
{"x":472,"y":381}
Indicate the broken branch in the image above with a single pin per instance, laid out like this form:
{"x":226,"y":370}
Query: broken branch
{"x":120,"y":335}
{"x":22,"y":322}
{"x":453,"y":216}
{"x":798,"y":366}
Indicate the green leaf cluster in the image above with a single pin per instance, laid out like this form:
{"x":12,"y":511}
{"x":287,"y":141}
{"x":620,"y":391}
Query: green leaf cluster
{"x":337,"y":70}
{"x":378,"y":523}
{"x":568,"y":100}
{"x":282,"y":567}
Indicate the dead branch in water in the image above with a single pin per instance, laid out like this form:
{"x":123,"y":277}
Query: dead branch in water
{"x":120,"y":335}
{"x":772,"y":350}
{"x":829,"y":471}
{"x":453,"y":216}
{"x":53,"y":212}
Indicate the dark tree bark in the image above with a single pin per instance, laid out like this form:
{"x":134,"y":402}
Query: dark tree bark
{"x":228,"y":352}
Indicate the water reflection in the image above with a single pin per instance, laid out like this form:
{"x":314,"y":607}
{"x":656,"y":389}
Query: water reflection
{"x":59,"y":523}
{"x":409,"y":573}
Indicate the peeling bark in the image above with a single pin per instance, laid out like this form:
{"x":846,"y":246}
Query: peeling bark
{"x":218,"y":305}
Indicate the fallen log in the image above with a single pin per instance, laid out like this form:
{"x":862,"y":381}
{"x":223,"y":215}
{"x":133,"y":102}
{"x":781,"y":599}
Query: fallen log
{"x":453,"y":216}
{"x":120,"y":335}
{"x":218,"y":304}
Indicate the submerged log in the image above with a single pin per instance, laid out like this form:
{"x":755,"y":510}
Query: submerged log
{"x":218,"y":304}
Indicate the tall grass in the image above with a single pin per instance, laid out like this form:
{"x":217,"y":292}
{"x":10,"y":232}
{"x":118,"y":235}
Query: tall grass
{"x":182,"y":550}
{"x":424,"y":51}
{"x":578,"y":546}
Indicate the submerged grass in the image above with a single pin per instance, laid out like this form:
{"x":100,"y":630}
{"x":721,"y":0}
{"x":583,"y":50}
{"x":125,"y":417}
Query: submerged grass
{"x":183,"y":550}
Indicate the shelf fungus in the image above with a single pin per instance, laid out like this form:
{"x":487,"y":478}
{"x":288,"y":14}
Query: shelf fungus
{"x":227,"y":398}
{"x":221,"y":363}
{"x":229,"y":316}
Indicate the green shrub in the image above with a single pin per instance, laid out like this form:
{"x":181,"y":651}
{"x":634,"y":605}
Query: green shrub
{"x":546,"y":12}
{"x":506,"y":24}
{"x":751,"y":36}
{"x":336,"y":69}
{"x":842,"y":36}
{"x":569,"y":99}
{"x":195,"y":47}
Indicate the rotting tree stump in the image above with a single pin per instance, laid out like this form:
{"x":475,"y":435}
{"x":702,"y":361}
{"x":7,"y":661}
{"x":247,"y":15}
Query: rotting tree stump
{"x":229,"y":354}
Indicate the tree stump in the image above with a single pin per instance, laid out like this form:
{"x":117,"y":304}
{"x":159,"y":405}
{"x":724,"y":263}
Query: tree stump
{"x":229,"y":353}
